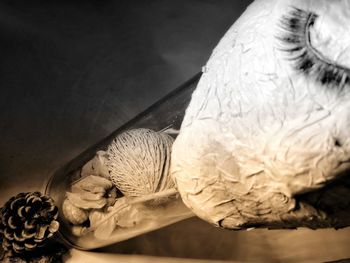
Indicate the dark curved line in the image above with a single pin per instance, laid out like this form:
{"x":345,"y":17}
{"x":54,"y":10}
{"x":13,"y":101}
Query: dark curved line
{"x":310,"y":22}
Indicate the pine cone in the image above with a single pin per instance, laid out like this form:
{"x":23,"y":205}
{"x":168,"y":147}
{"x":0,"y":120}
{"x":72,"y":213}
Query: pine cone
{"x":27,"y":221}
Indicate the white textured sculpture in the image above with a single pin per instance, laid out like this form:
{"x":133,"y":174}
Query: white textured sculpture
{"x":269,"y":120}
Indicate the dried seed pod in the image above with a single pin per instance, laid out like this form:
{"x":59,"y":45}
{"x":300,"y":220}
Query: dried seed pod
{"x":91,"y":192}
{"x":138,"y":162}
{"x":78,"y":230}
{"x":73,"y":214}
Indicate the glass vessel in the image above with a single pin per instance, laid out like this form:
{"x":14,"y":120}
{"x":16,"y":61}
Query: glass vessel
{"x":125,"y":217}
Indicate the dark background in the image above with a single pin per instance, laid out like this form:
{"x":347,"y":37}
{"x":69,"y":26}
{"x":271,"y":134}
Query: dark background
{"x":71,"y":72}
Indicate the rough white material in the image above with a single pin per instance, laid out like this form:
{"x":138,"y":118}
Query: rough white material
{"x":257,"y":131}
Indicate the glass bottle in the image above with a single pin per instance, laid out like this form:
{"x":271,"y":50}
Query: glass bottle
{"x":166,"y":114}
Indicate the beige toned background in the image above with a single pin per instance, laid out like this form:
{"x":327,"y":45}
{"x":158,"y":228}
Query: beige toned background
{"x":74,"y":71}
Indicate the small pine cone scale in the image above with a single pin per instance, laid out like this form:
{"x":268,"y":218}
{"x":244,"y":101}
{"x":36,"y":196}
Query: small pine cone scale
{"x":27,"y":221}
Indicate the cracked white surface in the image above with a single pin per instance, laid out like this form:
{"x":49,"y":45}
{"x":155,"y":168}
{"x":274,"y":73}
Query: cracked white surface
{"x":257,"y":132}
